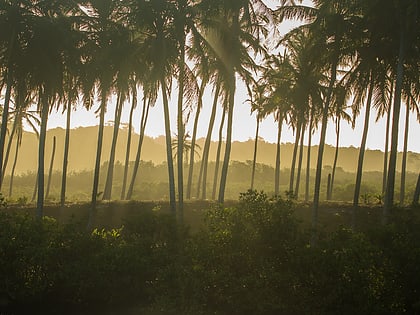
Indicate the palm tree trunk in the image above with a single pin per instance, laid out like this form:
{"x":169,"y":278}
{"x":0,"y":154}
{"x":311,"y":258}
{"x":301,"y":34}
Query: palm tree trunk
{"x":110,"y":174}
{"x":12,"y":174}
{"x":404,"y":157}
{"x":51,"y":168}
{"x":308,"y":160}
{"x":5,"y":117}
{"x":254,"y":160}
{"x":171,"y":176}
{"x":337,"y":142}
{"x":302,"y":137}
{"x":389,"y":193}
{"x":102,"y":110}
{"x":362,"y":148}
{"x":277,"y":168}
{"x":5,"y":114}
{"x":295,"y":148}
{"x":181,"y":131}
{"x":66,"y":157}
{"x":35,"y":188}
{"x":388,"y":120}
{"x":218,"y":153}
{"x":9,"y":146}
{"x":143,"y":121}
{"x":128,"y":147}
{"x":318,"y":174}
{"x":202,"y":178}
{"x":225,"y":166}
{"x":193,"y":140}
{"x":41,"y":155}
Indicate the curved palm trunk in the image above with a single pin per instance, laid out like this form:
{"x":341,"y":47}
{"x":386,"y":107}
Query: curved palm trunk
{"x":388,"y":120}
{"x":181,"y":131}
{"x":110,"y":174}
{"x":362,"y":150}
{"x":41,"y":156}
{"x":295,"y":148}
{"x":51,"y":168}
{"x":277,"y":168}
{"x":337,"y":133}
{"x":128,"y":147}
{"x":254,"y":160}
{"x":143,"y":120}
{"x":223,"y":176}
{"x":202,"y":178}
{"x":66,"y":158}
{"x":404,"y":157}
{"x":171,"y":176}
{"x":218,"y":152}
{"x":92,"y":213}
{"x":389,"y":193}
{"x":318,"y":173}
{"x":12,"y":174}
{"x":193,"y":141}
{"x":308,"y":161}
{"x":302,"y":138}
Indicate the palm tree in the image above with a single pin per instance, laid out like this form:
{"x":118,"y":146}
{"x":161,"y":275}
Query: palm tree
{"x":401,"y":21}
{"x":231,"y":30}
{"x":15,"y":19}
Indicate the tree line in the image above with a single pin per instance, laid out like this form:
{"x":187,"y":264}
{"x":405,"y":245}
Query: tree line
{"x":343,"y":57}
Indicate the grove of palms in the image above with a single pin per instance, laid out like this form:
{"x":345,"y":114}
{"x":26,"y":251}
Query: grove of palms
{"x":344,"y":56}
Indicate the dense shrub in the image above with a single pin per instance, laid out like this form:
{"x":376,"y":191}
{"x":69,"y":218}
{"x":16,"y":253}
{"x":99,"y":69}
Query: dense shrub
{"x":250,"y":258}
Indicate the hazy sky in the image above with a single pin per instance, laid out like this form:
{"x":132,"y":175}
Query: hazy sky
{"x":244,"y":124}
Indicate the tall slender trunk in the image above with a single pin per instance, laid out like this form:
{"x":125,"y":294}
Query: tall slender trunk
{"x":47,"y":194}
{"x":41,"y":154}
{"x":5,"y":114}
{"x":12,"y":174}
{"x":218,"y":153}
{"x":202,"y":178}
{"x":254,"y":160}
{"x":404,"y":157}
{"x":388,"y":120}
{"x":295,"y":148}
{"x":302,"y":138}
{"x":128,"y":146}
{"x":181,"y":131}
{"x":169,"y":159}
{"x":363,"y":147}
{"x":389,"y":193}
{"x":110,"y":174}
{"x":193,"y":140}
{"x":102,"y":110}
{"x":34,"y":194}
{"x":9,"y":146}
{"x":337,"y":143}
{"x":318,"y":173}
{"x":66,"y":157}
{"x":225,"y":166}
{"x":308,"y":160}
{"x":143,"y":121}
{"x":277,"y":168}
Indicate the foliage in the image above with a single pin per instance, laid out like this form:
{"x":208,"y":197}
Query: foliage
{"x":251,"y":257}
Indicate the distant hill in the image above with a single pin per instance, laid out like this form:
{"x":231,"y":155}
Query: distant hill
{"x":83,"y":151}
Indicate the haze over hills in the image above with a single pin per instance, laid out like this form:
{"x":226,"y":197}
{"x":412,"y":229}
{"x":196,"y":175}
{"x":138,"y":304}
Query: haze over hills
{"x":83,"y":150}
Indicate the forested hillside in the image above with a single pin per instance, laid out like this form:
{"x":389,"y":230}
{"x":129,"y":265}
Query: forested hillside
{"x":83,"y":140}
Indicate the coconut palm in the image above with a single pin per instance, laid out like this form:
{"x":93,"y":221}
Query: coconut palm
{"x":231,"y":30}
